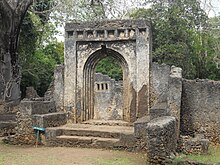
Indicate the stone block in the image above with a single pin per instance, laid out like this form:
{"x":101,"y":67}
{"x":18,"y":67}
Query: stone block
{"x":49,"y":120}
{"x":7,"y":128}
{"x":31,"y":93}
{"x":161,"y":139}
{"x":140,"y":127}
{"x":159,"y":110}
{"x":52,"y":133}
{"x":196,"y":145}
{"x":37,"y":107}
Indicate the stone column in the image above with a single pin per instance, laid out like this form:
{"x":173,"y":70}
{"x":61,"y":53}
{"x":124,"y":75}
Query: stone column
{"x":58,"y":93}
{"x":143,"y":47}
{"x":70,"y":76}
{"x":175,"y":94}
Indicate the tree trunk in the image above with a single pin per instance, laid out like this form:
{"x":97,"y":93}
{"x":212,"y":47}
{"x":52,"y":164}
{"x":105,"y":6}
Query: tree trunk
{"x":11,"y":17}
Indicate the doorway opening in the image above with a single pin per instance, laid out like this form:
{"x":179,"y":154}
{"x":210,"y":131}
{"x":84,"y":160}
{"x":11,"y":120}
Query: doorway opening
{"x":105,"y":84}
{"x":108,"y":90}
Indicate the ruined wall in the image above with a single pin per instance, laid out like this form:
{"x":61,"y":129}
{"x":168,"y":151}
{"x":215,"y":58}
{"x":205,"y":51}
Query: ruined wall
{"x":56,"y":89}
{"x":165,"y":91}
{"x":7,"y":124}
{"x":159,"y":83}
{"x":108,"y":104}
{"x":24,"y":131}
{"x":200,"y":110}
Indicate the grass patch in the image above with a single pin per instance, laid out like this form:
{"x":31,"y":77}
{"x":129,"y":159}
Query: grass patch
{"x":116,"y":161}
{"x":213,"y":156}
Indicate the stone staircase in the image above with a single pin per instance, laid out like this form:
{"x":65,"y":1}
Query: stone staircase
{"x":94,"y":133}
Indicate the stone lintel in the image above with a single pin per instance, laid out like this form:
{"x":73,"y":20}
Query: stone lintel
{"x":107,"y":25}
{"x":106,"y":30}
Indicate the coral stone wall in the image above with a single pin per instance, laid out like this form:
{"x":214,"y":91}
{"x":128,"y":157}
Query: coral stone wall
{"x":108,"y":101}
{"x":200,"y":110}
{"x":159,"y":83}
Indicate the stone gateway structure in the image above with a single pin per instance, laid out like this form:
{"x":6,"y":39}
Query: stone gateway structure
{"x":129,"y":42}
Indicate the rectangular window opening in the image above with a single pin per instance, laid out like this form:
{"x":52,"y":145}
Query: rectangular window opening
{"x":70,"y":34}
{"x":102,"y":86}
{"x":98,"y":87}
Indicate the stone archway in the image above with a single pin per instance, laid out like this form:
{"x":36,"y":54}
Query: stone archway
{"x":89,"y":73}
{"x":129,"y":41}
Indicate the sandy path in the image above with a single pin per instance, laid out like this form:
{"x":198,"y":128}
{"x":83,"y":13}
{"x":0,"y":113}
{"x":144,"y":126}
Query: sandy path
{"x":29,"y":155}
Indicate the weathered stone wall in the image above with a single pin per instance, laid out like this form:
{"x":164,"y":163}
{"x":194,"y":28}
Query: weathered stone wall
{"x":159,"y":83}
{"x":200,"y":110}
{"x":56,"y":89}
{"x":108,"y":104}
{"x":193,"y":145}
{"x":161,"y":139}
{"x":166,"y":90}
{"x":24,"y":131}
{"x":7,"y":124}
{"x":8,"y":108}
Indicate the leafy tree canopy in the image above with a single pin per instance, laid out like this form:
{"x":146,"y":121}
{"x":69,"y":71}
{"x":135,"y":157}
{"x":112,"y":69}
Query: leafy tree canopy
{"x":181,"y":36}
{"x":110,"y":66}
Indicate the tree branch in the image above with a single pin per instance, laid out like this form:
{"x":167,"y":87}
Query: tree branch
{"x":23,"y":6}
{"x":5,"y":8}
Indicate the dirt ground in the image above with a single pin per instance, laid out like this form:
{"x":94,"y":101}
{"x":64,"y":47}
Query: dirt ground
{"x":30,"y":155}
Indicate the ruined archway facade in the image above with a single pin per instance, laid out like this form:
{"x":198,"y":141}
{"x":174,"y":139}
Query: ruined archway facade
{"x":129,"y":42}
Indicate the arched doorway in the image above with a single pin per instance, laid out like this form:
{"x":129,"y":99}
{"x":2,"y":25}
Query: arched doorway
{"x":129,"y":42}
{"x":89,"y":110}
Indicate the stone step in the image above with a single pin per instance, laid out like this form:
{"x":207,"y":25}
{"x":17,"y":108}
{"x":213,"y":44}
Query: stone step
{"x":86,"y":141}
{"x":104,"y":131}
{"x":103,"y":134}
{"x":108,"y":122}
{"x":86,"y":135}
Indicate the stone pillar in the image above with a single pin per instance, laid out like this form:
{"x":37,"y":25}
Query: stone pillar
{"x":70,"y":76}
{"x":175,"y":94}
{"x":58,"y":93}
{"x":143,"y":48}
{"x":161,"y":139}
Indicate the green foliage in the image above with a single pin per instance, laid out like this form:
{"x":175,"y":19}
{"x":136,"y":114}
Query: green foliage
{"x":42,"y":9}
{"x":110,"y":66}
{"x":38,"y":72}
{"x":176,"y":26}
{"x":91,"y":11}
{"x":38,"y":56}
